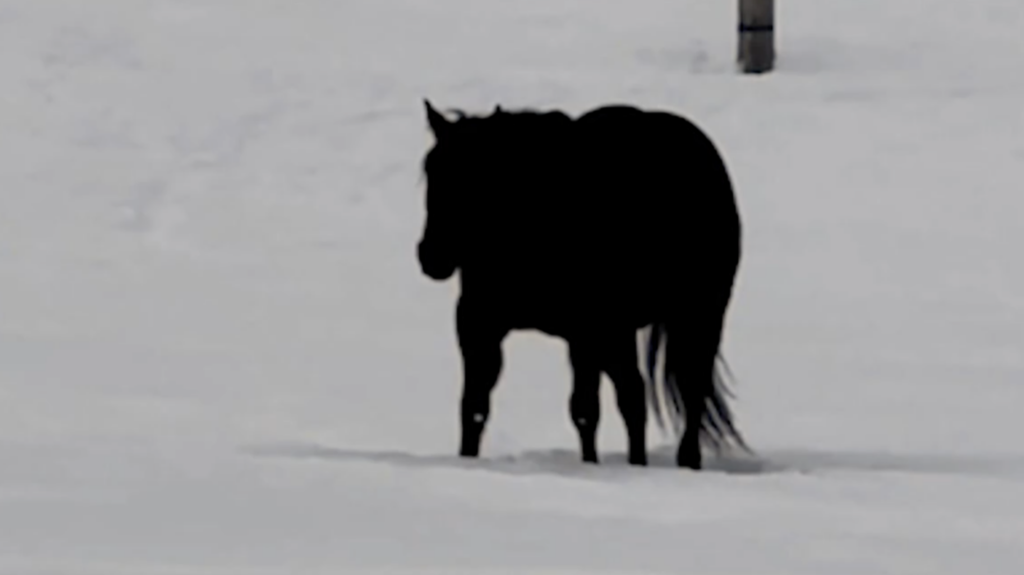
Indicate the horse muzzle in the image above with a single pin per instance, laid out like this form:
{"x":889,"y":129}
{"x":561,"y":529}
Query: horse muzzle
{"x":434,"y":264}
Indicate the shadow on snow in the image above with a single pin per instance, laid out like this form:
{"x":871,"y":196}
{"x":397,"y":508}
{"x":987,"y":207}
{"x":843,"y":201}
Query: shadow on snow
{"x":565,"y":462}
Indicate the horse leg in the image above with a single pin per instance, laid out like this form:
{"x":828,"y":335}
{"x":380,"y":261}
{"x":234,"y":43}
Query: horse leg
{"x":697,"y":365}
{"x":585,"y":402}
{"x":620,"y":362}
{"x":480,"y":344}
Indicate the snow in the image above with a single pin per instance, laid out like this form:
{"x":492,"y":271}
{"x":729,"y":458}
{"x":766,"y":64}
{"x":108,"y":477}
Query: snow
{"x":217,"y":354}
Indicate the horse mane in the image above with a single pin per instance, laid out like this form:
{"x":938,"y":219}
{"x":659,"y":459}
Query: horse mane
{"x":513,"y":123}
{"x":498,"y":112}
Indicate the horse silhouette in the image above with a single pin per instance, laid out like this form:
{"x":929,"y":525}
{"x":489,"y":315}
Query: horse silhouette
{"x":589,"y":229}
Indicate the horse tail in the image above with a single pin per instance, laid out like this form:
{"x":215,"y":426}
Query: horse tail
{"x":717,"y":428}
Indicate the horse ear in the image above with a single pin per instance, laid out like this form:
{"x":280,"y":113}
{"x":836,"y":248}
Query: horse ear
{"x":497,"y":109}
{"x":438,"y":123}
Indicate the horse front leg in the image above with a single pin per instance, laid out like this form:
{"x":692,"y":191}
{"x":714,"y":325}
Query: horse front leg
{"x":480,"y":343}
{"x":585,"y":402}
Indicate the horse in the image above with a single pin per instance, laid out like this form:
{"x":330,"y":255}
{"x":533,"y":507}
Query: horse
{"x":589,"y":229}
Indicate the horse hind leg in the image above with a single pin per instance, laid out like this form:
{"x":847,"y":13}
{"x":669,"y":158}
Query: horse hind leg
{"x":620,"y":362}
{"x":585,"y":403}
{"x":695,"y":372}
{"x":480,"y":344}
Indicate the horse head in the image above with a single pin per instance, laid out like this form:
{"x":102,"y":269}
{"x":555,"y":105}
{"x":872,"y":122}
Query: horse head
{"x":437,"y":249}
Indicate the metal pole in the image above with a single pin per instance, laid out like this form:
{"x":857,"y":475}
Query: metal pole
{"x":757,"y":36}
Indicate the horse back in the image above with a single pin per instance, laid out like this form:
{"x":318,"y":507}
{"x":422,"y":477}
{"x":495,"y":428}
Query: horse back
{"x":619,"y":194}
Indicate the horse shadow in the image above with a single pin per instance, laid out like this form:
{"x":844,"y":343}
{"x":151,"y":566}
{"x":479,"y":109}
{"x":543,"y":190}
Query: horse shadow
{"x":560,"y":462}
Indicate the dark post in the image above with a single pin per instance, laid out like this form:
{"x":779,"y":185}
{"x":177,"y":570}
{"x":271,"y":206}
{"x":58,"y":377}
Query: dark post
{"x":757,"y":36}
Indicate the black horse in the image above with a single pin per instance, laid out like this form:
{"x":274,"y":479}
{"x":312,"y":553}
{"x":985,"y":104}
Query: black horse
{"x":589,"y":229}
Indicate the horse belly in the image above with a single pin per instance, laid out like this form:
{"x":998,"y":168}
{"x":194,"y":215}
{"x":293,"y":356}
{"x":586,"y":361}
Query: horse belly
{"x":560,"y":307}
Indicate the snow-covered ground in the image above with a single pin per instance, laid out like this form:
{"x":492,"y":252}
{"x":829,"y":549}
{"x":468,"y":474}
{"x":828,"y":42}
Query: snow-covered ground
{"x":217,"y":355}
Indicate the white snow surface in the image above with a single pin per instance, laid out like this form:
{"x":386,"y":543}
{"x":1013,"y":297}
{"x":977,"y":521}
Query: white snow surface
{"x":218,"y":356}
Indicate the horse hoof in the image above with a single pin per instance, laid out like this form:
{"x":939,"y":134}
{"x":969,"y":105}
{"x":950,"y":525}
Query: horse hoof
{"x":689,"y":460}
